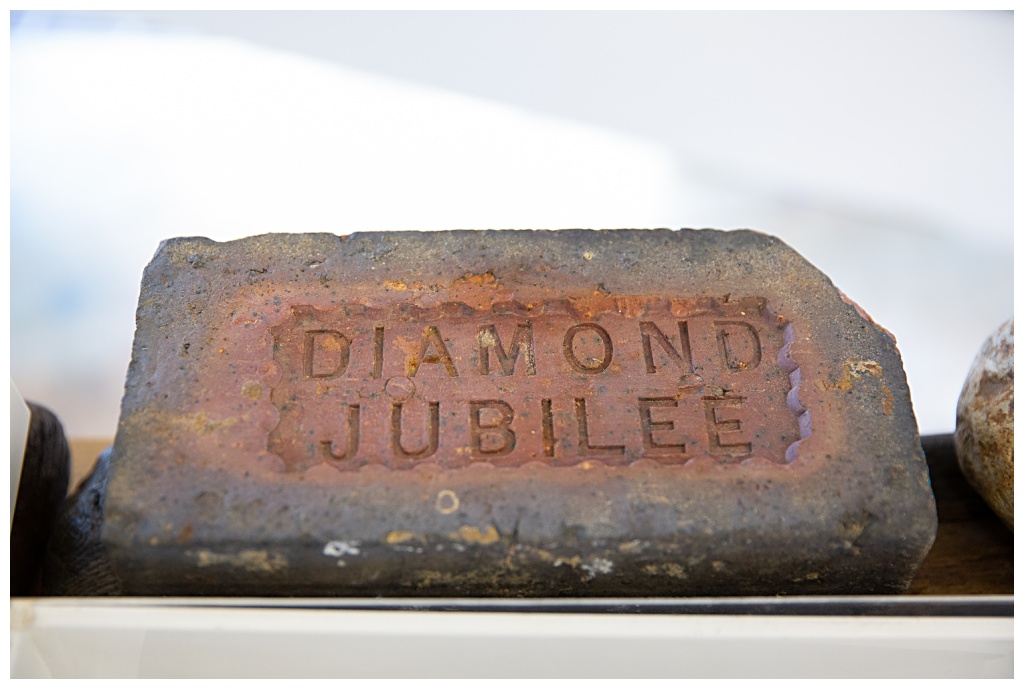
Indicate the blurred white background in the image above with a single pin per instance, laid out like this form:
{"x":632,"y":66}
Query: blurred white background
{"x":879,"y":145}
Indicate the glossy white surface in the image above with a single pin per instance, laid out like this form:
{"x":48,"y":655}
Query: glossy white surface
{"x":94,"y":638}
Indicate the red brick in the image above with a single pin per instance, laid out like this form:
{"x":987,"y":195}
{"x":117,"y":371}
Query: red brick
{"x":511,"y":413}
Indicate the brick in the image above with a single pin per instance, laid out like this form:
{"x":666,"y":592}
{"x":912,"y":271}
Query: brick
{"x":613,"y":413}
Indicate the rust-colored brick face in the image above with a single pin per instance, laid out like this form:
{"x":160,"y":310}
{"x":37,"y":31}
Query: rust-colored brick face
{"x":611,"y":413}
{"x":597,"y":378}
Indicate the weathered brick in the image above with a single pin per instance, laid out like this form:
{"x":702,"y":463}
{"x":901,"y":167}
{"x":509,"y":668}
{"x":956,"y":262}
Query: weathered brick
{"x":612,"y":413}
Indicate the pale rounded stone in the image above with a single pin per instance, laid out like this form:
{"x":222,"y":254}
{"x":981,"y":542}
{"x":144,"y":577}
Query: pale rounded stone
{"x":984,"y":423}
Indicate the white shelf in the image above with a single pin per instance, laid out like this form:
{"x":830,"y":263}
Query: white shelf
{"x":320,"y":638}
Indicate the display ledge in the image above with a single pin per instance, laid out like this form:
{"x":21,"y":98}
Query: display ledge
{"x":810,"y":637}
{"x":808,"y":606}
{"x":956,"y":622}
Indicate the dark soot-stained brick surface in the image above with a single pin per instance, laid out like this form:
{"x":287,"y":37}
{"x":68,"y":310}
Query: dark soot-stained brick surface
{"x":616,"y":413}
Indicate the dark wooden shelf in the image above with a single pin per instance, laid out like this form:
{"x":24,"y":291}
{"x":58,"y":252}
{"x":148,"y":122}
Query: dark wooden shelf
{"x":973,"y":551}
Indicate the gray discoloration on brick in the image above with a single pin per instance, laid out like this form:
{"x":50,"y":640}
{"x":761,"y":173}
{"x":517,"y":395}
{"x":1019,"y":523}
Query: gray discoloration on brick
{"x":511,"y":414}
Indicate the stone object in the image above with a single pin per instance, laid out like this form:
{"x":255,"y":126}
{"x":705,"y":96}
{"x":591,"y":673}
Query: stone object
{"x":41,"y":491}
{"x":510,"y":413}
{"x":984,"y":423}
